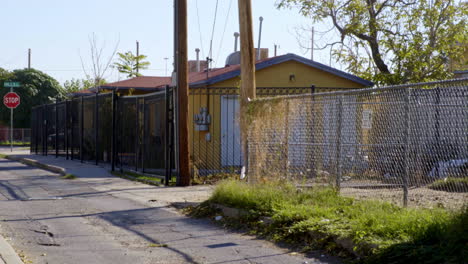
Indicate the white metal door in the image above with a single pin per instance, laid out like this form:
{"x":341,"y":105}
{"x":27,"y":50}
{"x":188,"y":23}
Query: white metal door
{"x":231,"y":154}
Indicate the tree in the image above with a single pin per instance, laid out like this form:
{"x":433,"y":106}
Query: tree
{"x":392,"y":41}
{"x":37,"y":88}
{"x":99,"y":64}
{"x":75,"y":85}
{"x":131,"y":64}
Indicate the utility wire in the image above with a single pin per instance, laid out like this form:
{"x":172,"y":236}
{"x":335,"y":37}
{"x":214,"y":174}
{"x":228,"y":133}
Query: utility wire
{"x":199,"y":29}
{"x":213,"y":29}
{"x":224,"y":31}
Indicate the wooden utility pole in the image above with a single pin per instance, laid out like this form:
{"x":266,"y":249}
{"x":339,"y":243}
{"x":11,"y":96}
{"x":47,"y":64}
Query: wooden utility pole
{"x":182,"y":91}
{"x":247,"y":89}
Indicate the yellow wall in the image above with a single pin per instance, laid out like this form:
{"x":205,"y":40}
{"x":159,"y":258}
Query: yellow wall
{"x":305,"y":76}
{"x":207,"y":154}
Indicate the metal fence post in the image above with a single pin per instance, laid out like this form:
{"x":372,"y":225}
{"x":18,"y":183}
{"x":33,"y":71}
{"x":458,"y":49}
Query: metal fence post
{"x":113,"y":150}
{"x":46,"y":128}
{"x":286,"y":142}
{"x":72,"y":142}
{"x":168,"y":134}
{"x":119,"y":135}
{"x":312,"y":135}
{"x":36,"y":134}
{"x":143,"y":149}
{"x":81,"y":128}
{"x":96,"y":128}
{"x":406,"y":140}
{"x":56,"y":128}
{"x":65,"y":134}
{"x":437,"y":129}
{"x":338,"y":142}
{"x":137,"y":132}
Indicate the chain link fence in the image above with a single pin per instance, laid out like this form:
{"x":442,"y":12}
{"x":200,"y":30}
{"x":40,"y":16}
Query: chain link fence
{"x":214,"y":128}
{"x":405,"y":144}
{"x":134,"y":133}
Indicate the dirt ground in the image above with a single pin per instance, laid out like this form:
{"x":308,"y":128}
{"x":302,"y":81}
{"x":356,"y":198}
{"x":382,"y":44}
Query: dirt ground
{"x":417,"y":197}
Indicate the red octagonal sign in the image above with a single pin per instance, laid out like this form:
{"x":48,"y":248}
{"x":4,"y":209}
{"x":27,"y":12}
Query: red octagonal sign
{"x":11,"y":100}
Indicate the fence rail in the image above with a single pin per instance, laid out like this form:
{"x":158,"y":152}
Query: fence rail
{"x":129,"y":132}
{"x":406,"y":144}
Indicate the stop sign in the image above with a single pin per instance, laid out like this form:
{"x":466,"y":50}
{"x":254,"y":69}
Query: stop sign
{"x":11,"y":100}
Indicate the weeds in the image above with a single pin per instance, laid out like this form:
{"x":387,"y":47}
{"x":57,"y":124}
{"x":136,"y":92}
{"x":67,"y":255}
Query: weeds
{"x":321,"y":218}
{"x":69,"y":176}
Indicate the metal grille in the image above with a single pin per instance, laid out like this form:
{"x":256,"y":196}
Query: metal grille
{"x":404,"y":144}
{"x":131,"y":132}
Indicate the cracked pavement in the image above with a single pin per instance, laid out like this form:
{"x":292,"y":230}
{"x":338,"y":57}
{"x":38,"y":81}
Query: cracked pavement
{"x":98,"y":218}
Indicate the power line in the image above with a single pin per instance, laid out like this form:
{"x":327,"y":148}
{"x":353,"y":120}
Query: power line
{"x":212,"y":31}
{"x":199,"y":29}
{"x":224,"y":31}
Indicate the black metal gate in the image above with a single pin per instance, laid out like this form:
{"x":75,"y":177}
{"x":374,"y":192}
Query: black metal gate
{"x":134,"y":133}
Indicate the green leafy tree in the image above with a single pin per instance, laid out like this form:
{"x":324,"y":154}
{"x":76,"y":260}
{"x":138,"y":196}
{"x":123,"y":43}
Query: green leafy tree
{"x":392,"y":41}
{"x":37,"y":88}
{"x":130,"y":64}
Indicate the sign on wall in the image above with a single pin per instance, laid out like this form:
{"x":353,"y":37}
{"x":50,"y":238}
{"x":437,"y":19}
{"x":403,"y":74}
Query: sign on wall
{"x":366,"y":119}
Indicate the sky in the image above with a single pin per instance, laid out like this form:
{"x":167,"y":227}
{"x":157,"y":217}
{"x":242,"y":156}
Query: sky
{"x":58,"y":33}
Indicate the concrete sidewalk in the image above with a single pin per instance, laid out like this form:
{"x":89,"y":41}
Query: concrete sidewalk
{"x":102,"y":174}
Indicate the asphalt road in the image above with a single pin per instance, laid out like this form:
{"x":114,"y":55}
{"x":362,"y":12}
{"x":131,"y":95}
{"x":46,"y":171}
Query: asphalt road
{"x":56,"y":221}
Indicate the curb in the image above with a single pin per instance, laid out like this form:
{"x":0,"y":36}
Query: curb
{"x":35,"y":163}
{"x":7,"y":253}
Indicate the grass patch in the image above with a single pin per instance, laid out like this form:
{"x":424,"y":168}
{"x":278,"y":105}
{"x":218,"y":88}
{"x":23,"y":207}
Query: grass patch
{"x":142,"y":178}
{"x":15,"y":143}
{"x":445,"y":242}
{"x":321,"y":218}
{"x":157,"y":245}
{"x":3,"y":156}
{"x":451,"y":185}
{"x":69,"y":176}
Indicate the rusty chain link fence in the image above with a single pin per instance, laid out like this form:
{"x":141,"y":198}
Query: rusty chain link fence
{"x":405,"y":144}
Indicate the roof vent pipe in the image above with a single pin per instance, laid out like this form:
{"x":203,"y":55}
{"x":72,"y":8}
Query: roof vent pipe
{"x":236,"y":37}
{"x":197,"y":50}
{"x":259,"y":38}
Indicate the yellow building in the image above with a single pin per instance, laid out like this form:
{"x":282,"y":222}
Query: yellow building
{"x":214,"y":106}
{"x":213,"y":103}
